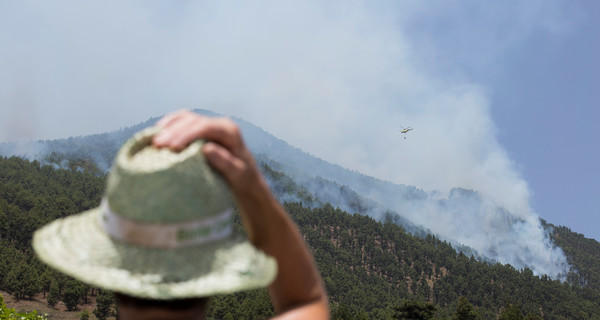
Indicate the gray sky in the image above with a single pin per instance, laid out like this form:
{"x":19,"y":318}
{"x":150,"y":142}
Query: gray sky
{"x":500,"y":93}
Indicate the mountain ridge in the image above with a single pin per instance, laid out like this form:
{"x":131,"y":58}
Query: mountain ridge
{"x":331,"y":183}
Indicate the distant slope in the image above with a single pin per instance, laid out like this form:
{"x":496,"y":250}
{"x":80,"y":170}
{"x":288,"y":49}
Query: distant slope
{"x":492,"y":231}
{"x":303,"y":168}
{"x":583,"y":253}
{"x":100,"y":148}
{"x":470,"y":221}
{"x":327,"y":182}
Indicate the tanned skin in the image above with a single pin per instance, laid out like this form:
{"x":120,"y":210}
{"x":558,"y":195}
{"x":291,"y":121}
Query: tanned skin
{"x":297,"y":292}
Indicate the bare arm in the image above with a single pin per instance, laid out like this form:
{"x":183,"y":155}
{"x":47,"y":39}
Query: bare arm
{"x":297,"y":291}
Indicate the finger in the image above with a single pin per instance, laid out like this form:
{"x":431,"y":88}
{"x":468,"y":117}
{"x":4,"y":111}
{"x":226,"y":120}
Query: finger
{"x":225,"y":132}
{"x":172,"y":117}
{"x":181,"y":128}
{"x":180,"y":133}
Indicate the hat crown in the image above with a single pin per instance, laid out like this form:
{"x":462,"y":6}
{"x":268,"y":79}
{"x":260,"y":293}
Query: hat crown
{"x":160,"y":186}
{"x":163,"y":230}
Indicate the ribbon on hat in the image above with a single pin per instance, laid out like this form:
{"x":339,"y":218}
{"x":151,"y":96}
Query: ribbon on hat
{"x":170,"y":236}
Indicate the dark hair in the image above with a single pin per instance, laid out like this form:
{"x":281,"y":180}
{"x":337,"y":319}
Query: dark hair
{"x":177,"y":304}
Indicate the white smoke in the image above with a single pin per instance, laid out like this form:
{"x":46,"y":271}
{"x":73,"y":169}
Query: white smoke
{"x":337,"y":79}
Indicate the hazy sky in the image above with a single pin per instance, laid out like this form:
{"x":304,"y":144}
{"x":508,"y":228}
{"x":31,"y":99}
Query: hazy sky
{"x":500,"y":94}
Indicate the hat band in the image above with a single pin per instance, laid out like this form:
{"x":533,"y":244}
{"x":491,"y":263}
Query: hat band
{"x":178,"y":235}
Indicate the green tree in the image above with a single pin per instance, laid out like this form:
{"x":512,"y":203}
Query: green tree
{"x":71,"y":294}
{"x":341,"y":312}
{"x":465,"y":310}
{"x":23,"y":281}
{"x":85,"y":290}
{"x":46,"y":281}
{"x":511,"y":312}
{"x":104,"y":302}
{"x":414,"y":310}
{"x":53,"y":294}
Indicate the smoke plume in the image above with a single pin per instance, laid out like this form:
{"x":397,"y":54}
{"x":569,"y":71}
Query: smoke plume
{"x":337,"y":79}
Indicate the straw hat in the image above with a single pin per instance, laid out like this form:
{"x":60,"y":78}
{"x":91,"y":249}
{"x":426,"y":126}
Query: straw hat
{"x":163,"y":231}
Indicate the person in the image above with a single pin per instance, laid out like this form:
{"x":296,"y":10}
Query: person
{"x":297,"y":290}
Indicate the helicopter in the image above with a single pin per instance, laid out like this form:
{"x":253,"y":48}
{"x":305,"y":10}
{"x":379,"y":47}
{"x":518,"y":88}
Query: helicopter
{"x":405,"y":130}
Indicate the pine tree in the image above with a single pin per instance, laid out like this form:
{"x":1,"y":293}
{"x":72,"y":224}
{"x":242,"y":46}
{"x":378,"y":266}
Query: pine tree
{"x":103,"y":304}
{"x":53,"y":294}
{"x":72,"y":294}
{"x":465,"y":310}
{"x":31,"y":282}
{"x":23,"y":281}
{"x":46,"y":281}
{"x":414,"y":310}
{"x":511,"y":312}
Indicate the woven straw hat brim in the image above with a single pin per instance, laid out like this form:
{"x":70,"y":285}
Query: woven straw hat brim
{"x":79,"y":247}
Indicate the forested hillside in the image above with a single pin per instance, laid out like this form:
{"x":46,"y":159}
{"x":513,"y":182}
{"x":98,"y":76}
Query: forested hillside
{"x":372,"y":269}
{"x":583,"y":253}
{"x":492,"y":233}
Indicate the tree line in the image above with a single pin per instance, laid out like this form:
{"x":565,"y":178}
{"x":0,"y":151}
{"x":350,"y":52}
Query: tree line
{"x":371,"y":269}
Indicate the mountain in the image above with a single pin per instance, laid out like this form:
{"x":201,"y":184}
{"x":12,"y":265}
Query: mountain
{"x":375,"y":262}
{"x":466,"y":219}
{"x":95,"y":153}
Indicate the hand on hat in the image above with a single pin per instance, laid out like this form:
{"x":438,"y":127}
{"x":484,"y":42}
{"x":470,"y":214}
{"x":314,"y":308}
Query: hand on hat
{"x":224,"y":149}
